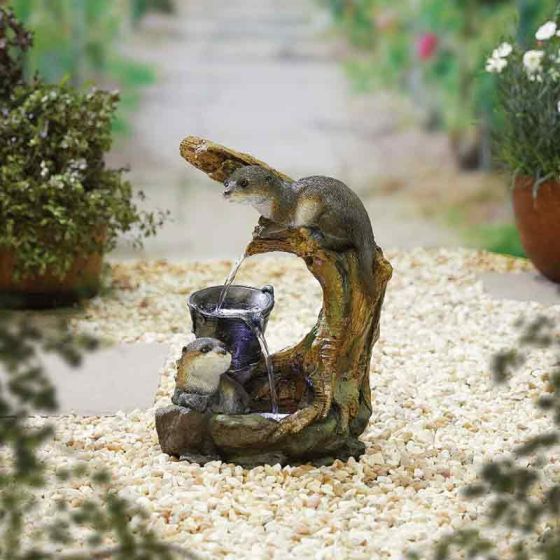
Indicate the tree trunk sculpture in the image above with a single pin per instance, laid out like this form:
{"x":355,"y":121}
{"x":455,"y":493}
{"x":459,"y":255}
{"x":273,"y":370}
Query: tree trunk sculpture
{"x":323,"y":381}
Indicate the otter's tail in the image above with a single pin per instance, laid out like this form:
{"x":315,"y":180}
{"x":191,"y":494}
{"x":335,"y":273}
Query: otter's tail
{"x":365,"y":262}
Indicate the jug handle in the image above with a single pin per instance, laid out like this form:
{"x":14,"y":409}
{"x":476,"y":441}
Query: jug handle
{"x":268,"y":289}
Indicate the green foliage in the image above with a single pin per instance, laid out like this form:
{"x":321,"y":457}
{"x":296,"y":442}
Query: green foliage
{"x":520,"y":494}
{"x":530,"y":113}
{"x":77,"y":40}
{"x":141,"y":7}
{"x":355,"y":19}
{"x":360,"y":74}
{"x":57,"y":197}
{"x":102,"y":521}
{"x":72,"y":38}
{"x":499,"y":238}
{"x":449,"y":83}
{"x":15,"y":41}
{"x":132,"y":76}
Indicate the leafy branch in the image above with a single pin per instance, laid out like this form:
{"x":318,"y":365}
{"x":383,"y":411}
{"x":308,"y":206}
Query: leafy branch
{"x":106,"y":526}
{"x":522,"y":498}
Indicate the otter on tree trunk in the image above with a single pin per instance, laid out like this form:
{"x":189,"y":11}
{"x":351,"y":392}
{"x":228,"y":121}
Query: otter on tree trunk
{"x":335,"y":213}
{"x":323,"y":381}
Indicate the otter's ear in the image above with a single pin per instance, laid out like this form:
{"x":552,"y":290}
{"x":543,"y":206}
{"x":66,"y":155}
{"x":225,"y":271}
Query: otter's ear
{"x":269,"y":178}
{"x":229,"y":166}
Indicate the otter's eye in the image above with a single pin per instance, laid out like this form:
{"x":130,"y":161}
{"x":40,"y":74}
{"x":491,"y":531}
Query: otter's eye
{"x":243,"y":183}
{"x":205,"y":349}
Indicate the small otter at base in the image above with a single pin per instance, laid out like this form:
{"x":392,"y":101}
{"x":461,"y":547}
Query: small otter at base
{"x":201,"y":382}
{"x":323,"y":204}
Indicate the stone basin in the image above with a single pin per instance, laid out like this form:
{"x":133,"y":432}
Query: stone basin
{"x":246,"y":439}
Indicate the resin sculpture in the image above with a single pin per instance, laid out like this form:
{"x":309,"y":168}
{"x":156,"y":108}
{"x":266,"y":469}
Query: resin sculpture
{"x":308,"y":403}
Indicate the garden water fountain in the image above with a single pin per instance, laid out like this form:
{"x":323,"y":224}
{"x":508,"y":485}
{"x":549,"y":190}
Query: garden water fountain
{"x":308,"y":403}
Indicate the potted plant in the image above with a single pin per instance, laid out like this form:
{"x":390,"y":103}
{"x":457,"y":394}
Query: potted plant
{"x":61,"y":208}
{"x":528,"y":141}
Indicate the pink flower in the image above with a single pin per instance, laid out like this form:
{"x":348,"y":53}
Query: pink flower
{"x":426,"y":46}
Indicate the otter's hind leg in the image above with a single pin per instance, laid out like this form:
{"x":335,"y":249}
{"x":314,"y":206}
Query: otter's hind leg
{"x":329,"y":241}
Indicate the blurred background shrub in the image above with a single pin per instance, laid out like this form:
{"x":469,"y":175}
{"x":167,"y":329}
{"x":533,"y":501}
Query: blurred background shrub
{"x":79,"y":41}
{"x":434,"y":51}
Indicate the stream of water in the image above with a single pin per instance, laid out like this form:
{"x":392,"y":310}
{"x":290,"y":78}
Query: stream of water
{"x":229,"y":281}
{"x":257,"y":329}
{"x":254,"y":321}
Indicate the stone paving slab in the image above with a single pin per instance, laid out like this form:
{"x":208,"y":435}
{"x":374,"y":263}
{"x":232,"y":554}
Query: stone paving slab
{"x":521,"y":286}
{"x":123,"y":377}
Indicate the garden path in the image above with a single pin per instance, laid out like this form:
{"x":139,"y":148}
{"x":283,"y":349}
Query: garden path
{"x":263,"y":77}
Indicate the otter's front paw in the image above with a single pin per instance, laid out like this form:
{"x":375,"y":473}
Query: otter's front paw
{"x":267,"y":229}
{"x":193,"y":401}
{"x":315,"y":234}
{"x":258,"y":231}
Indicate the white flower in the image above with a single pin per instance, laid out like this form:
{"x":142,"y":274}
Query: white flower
{"x":497,"y":62}
{"x":558,"y":106}
{"x":495,"y":65}
{"x":546,"y":31}
{"x":502,"y":51}
{"x":532,"y":60}
{"x":44,"y":169}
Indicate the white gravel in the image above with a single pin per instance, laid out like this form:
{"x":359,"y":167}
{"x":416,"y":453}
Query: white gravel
{"x":437,"y":415}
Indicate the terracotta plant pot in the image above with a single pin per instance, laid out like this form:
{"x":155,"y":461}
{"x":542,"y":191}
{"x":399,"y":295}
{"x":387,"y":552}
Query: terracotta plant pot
{"x":83,"y":279}
{"x":538,"y":221}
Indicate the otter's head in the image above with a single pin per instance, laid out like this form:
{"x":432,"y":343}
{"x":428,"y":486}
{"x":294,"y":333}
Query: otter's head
{"x":201,"y":364}
{"x":251,"y":185}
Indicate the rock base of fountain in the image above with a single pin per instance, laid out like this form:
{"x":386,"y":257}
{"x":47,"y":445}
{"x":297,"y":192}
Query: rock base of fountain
{"x":248,"y":439}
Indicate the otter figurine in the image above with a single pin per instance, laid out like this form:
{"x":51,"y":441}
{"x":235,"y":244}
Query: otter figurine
{"x":201,"y":382}
{"x":334,"y":212}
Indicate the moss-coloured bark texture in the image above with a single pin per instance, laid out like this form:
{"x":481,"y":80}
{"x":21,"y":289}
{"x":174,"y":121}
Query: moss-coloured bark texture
{"x":323,"y":381}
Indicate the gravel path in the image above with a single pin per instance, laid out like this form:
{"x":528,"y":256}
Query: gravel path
{"x":437,"y":415}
